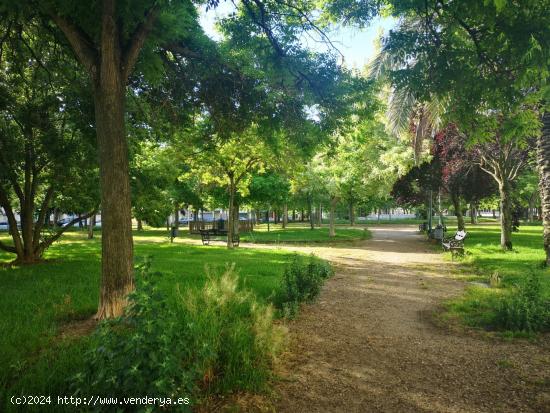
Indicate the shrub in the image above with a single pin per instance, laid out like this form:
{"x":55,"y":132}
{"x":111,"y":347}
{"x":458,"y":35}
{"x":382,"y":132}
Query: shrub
{"x":214,"y":340}
{"x":525,"y":309}
{"x":302,"y":281}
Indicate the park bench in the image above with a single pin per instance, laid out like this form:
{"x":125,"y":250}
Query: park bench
{"x":455,"y":244}
{"x":214,"y":234}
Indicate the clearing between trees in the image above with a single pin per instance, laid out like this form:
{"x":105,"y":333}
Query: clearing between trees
{"x":370,"y":344}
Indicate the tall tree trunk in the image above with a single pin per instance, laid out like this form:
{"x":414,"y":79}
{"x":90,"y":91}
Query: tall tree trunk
{"x":473,"y":213}
{"x":302,"y":215}
{"x":91,"y":225}
{"x":310,"y":214}
{"x":17,"y":248}
{"x":332,"y":226}
{"x":285,"y":215}
{"x":543,"y":162}
{"x":231,"y":214}
{"x":320,"y":216}
{"x":505,"y":215}
{"x":109,"y":63}
{"x":351,"y":213}
{"x":176,"y":217}
{"x":236,"y":222}
{"x":139,"y":224}
{"x":293,"y":215}
{"x":117,"y":275}
{"x":530,"y":209}
{"x":458,"y":211}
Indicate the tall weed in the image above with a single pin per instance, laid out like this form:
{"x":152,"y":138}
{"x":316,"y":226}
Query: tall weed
{"x":524,"y":309}
{"x":214,"y":340}
{"x":302,"y":282}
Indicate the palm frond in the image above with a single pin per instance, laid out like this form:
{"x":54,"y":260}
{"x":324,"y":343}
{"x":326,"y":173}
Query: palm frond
{"x":400,"y":109}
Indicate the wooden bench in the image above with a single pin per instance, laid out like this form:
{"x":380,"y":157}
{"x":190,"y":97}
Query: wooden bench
{"x":214,"y":234}
{"x":455,"y":244}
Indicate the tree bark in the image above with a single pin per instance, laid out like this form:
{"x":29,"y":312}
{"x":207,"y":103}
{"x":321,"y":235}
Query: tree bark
{"x":505,"y":216}
{"x":176,"y":217}
{"x":309,"y":211}
{"x":530,"y":209}
{"x":320,"y":216}
{"x":285,"y":215}
{"x":332,"y":226}
{"x":231,"y":213}
{"x":351,"y":213}
{"x":117,"y":275}
{"x":139,"y":224}
{"x":236,"y":222}
{"x":473,"y":213}
{"x":458,"y":211}
{"x":55,"y":216}
{"x":543,"y":163}
{"x":91,"y":224}
{"x":109,"y":63}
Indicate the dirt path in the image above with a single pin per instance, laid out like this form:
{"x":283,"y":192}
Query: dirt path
{"x":369,"y":345}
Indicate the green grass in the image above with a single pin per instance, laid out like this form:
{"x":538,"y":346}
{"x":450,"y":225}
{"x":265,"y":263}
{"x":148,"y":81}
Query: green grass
{"x":38,"y":300}
{"x":302,"y":234}
{"x":485,"y":257}
{"x":296,"y":233}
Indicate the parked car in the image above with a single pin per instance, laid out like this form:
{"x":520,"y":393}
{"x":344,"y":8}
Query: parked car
{"x":184,"y":221}
{"x":4,"y":226}
{"x":64,"y":222}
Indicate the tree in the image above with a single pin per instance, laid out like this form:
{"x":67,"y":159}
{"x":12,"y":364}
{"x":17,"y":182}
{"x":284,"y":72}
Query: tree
{"x":268,"y":190}
{"x":503,"y":155}
{"x":109,"y":52}
{"x":151,"y":175}
{"x":455,"y":161}
{"x":108,"y":38}
{"x":491,"y":46}
{"x":528,"y":192}
{"x":45,"y":145}
{"x":232,"y":163}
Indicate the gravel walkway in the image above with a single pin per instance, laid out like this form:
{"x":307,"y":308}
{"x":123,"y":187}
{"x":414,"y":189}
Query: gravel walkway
{"x":369,"y":343}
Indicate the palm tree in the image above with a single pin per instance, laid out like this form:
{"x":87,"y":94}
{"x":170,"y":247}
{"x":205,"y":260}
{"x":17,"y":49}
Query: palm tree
{"x":406,"y":113}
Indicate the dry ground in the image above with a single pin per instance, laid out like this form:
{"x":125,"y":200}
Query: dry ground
{"x":370,"y":345}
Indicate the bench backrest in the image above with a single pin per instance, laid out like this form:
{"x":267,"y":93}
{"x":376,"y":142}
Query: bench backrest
{"x":460,"y":235}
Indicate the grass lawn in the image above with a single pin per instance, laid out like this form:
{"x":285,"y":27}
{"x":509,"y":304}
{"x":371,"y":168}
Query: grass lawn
{"x":297,"y":233}
{"x":37,"y":301}
{"x":302,"y":234}
{"x":485,"y":257}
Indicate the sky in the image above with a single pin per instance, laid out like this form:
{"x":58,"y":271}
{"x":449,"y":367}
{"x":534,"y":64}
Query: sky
{"x":356,"y":45}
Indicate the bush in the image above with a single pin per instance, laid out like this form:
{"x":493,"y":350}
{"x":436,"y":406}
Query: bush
{"x":302,"y":281}
{"x":525,"y":309}
{"x":214,"y":340}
